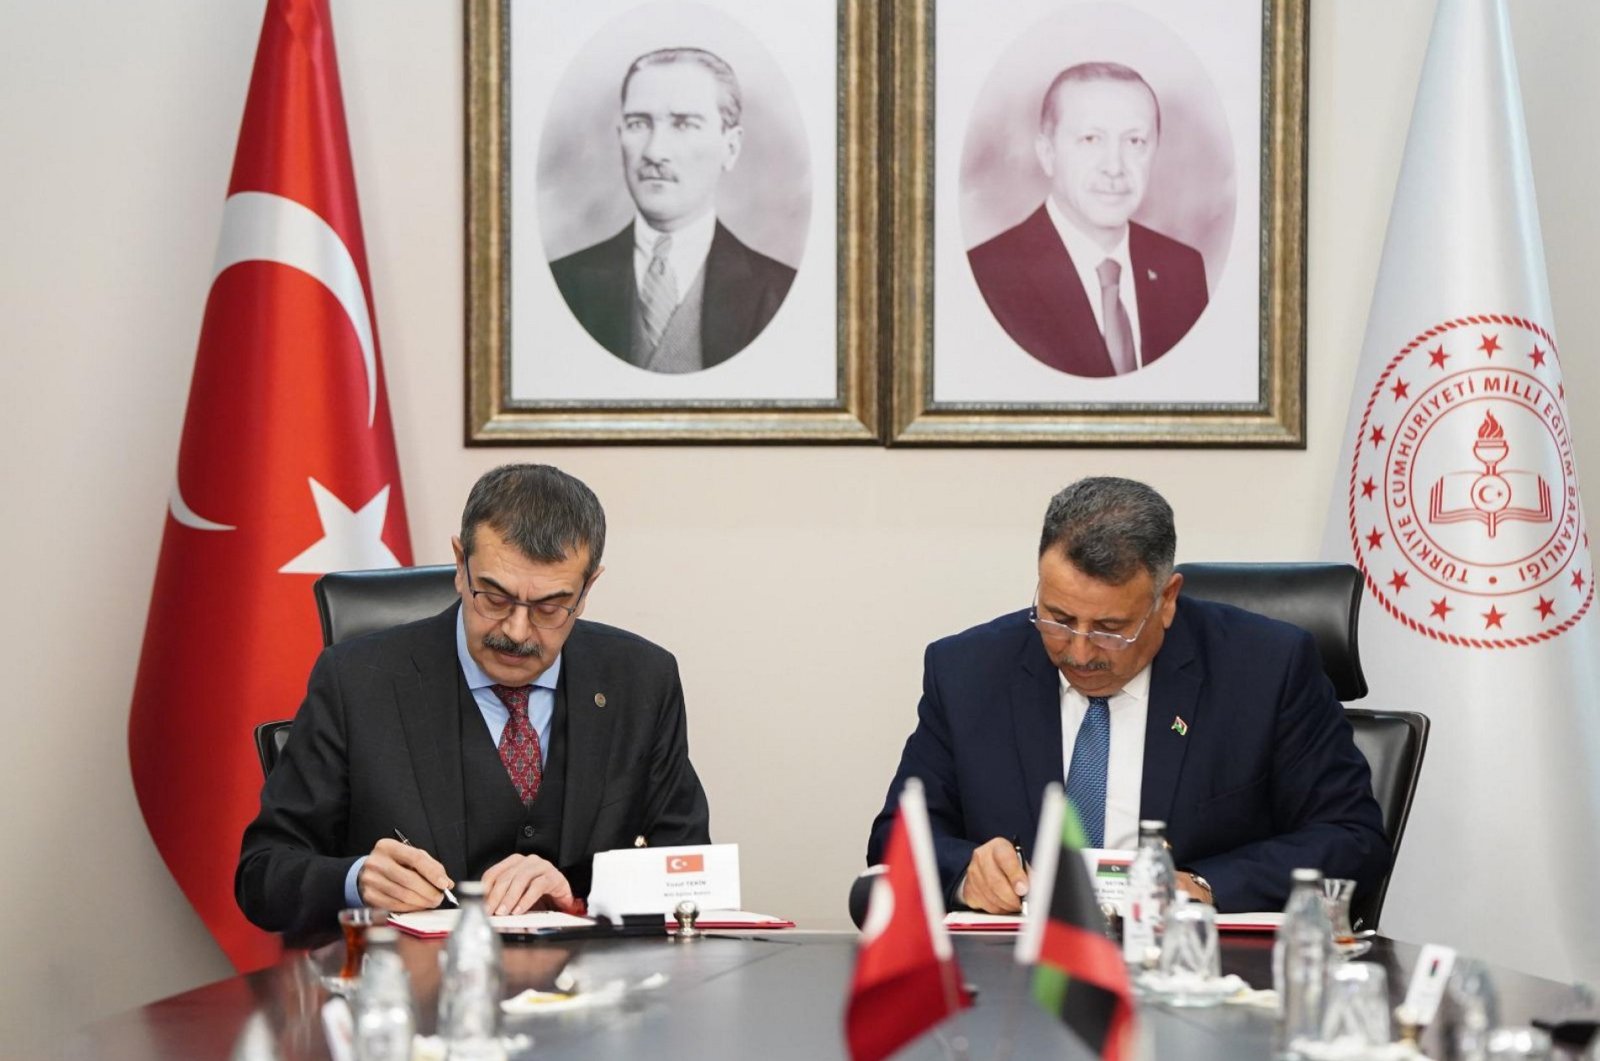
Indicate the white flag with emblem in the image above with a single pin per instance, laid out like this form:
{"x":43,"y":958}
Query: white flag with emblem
{"x":1457,"y":496}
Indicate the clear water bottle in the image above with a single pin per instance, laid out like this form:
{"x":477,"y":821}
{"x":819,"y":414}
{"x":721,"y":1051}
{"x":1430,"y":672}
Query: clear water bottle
{"x":1152,"y":884}
{"x":384,"y":1021}
{"x":469,"y":993}
{"x":1300,"y":958}
{"x":1473,"y":1011}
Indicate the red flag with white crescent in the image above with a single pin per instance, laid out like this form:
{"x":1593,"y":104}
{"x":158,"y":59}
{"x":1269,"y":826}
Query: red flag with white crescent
{"x":906,"y":977}
{"x":286,"y":469}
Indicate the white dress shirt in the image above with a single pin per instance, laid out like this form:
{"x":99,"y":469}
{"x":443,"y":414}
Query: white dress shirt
{"x":687,"y":256}
{"x":1087,"y":254}
{"x":1125,"y":772}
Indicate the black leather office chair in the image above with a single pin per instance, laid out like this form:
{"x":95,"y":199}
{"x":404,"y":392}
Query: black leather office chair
{"x":270,"y":739}
{"x":1325,"y":599}
{"x":1394,"y":743}
{"x":352,"y":603}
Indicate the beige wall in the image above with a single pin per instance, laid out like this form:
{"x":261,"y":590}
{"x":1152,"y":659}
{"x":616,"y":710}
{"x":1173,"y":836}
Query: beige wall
{"x":798,"y":586}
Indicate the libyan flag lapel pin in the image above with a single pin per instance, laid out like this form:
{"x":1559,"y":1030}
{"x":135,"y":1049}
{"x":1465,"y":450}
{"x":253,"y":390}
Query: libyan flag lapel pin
{"x":1179,"y":726}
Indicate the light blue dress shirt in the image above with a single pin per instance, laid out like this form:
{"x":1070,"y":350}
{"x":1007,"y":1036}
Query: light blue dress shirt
{"x":541,"y":709}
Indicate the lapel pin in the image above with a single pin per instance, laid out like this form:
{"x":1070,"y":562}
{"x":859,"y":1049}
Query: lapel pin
{"x":1179,"y":726}
{"x":599,"y":699}
{"x":1150,"y":274}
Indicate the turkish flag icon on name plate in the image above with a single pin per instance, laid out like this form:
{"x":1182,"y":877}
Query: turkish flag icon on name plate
{"x":286,"y":470}
{"x":686,"y":863}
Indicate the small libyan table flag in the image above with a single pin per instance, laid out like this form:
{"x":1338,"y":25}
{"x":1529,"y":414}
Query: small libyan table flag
{"x":1079,"y":976}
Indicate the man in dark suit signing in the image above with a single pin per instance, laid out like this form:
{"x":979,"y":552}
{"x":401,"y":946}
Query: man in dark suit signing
{"x":675,"y":291}
{"x":1079,"y":285}
{"x":1146,"y":704}
{"x":506,"y":738}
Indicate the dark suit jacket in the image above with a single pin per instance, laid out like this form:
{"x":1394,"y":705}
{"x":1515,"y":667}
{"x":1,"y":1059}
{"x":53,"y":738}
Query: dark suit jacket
{"x":1268,"y":777}
{"x":1033,"y":290}
{"x":376,"y":746}
{"x":743,"y":291}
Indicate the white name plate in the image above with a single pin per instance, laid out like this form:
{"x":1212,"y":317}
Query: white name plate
{"x":654,"y":880}
{"x":1428,"y":981}
{"x":1108,"y":872}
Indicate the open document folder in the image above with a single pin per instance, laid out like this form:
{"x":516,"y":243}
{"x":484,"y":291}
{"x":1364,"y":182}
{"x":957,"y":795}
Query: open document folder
{"x":973,"y":921}
{"x":437,"y":924}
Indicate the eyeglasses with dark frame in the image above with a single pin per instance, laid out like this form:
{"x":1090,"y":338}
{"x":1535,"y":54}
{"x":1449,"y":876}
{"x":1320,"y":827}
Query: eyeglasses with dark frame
{"x":496,"y":606}
{"x":1103,"y":638}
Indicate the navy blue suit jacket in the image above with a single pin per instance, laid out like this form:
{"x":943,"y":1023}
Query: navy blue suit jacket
{"x":1267,"y":778}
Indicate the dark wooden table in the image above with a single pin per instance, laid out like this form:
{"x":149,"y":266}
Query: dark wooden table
{"x":772,"y":997}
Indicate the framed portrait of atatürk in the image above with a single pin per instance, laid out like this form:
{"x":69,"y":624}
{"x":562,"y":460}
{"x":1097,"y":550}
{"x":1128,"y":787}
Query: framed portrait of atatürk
{"x":1099,"y":236}
{"x":671,"y":221}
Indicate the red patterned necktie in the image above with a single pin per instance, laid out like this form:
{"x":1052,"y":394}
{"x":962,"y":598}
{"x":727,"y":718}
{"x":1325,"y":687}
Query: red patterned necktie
{"x":519,"y":742}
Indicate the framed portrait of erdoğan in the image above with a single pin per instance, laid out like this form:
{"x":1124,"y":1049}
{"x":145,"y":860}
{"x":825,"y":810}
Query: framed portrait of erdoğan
{"x":1104,"y":221}
{"x":671,"y":221}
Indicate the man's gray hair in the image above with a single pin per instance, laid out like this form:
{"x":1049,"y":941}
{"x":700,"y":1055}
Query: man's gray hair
{"x":1110,"y":528}
{"x":1091,"y":72}
{"x":542,"y":512}
{"x":728,"y":97}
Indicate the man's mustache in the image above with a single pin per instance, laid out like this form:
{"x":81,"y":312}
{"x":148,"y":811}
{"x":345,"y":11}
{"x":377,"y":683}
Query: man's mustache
{"x":655,"y":171}
{"x":499,"y":642}
{"x":1091,"y":665}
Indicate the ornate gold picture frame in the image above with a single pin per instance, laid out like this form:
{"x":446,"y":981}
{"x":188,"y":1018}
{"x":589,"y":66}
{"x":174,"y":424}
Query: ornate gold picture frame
{"x":548,"y":197}
{"x":967,"y":149}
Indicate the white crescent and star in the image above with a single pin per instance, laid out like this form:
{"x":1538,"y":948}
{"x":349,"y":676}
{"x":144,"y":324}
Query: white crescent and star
{"x":259,"y":226}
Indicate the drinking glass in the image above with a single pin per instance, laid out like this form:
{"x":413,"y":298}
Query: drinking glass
{"x":1355,"y":1005}
{"x":1336,"y":895}
{"x":1519,"y":1044}
{"x":354,"y":922}
{"x":1191,"y":963}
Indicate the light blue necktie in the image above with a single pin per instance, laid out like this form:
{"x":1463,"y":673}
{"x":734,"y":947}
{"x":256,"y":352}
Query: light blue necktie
{"x":1086,"y":776}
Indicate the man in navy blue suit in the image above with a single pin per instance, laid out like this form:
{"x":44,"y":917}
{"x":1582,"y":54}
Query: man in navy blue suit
{"x":1146,"y":704}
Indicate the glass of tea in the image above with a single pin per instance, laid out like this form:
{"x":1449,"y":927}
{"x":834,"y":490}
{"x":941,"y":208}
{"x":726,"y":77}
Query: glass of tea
{"x":354,"y":922}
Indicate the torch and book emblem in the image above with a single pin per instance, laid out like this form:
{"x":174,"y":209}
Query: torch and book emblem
{"x":1492,"y":496}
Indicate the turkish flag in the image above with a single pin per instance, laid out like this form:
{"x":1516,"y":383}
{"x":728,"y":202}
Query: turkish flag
{"x":906,"y":977}
{"x":286,"y":470}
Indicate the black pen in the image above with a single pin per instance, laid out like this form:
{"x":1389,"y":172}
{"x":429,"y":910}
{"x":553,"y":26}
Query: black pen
{"x":448,"y":894}
{"x":1023,"y":862}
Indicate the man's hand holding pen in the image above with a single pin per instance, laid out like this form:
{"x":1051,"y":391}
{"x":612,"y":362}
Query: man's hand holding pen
{"x":996,"y":880}
{"x":402,"y":878}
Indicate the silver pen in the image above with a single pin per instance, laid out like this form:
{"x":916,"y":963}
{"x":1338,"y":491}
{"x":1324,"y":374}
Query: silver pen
{"x":448,"y":894}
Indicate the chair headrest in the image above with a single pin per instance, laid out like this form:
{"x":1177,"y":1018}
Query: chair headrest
{"x":352,"y":603}
{"x":1320,"y":598}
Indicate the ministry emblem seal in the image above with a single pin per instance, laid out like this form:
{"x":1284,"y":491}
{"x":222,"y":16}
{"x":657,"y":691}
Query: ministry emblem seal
{"x":1464,"y":506}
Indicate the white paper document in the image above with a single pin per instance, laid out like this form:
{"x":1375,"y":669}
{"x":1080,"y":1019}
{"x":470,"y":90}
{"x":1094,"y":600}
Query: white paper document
{"x":432,"y":923}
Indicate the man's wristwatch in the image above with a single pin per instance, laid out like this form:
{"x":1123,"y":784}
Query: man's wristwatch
{"x":1211,"y":895}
